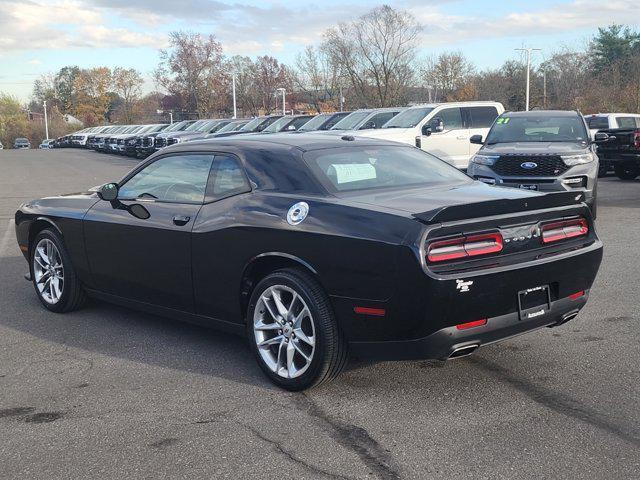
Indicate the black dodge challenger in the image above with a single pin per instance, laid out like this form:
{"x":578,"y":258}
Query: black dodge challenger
{"x":317,"y":246}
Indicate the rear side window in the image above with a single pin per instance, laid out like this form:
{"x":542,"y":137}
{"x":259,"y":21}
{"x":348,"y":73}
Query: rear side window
{"x":482,"y":117}
{"x":227,"y":178}
{"x":627,"y":122}
{"x":598,"y":123}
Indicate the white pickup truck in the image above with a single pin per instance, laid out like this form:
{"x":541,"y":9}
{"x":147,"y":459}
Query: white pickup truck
{"x":442,"y":129}
{"x":608,"y":121}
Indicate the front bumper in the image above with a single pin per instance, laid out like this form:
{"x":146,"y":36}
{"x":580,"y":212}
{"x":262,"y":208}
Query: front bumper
{"x":585,"y":177}
{"x":443,"y":343}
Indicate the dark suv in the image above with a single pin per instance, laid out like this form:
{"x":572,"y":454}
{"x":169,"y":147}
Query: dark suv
{"x":542,"y":150}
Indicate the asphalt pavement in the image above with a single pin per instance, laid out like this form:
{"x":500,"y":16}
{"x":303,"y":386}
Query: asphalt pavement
{"x":107,"y":392}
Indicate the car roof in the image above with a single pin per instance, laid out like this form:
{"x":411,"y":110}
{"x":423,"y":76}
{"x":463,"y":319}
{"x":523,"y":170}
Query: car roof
{"x":543,"y":113}
{"x":303,"y":141}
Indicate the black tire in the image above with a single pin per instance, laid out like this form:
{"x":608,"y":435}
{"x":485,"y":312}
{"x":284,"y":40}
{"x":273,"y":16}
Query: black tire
{"x":626,"y":171}
{"x":330,"y":354}
{"x":73,"y":295}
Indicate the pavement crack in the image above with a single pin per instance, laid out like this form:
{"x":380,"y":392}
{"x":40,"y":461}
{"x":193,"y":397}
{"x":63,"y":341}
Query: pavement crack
{"x":354,"y":438}
{"x":560,"y":403}
{"x":292,"y":456}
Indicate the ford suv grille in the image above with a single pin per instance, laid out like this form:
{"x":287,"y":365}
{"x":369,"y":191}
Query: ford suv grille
{"x":529,"y":166}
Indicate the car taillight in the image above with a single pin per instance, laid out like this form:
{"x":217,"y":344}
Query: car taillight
{"x":556,"y":231}
{"x":462,"y":247}
{"x":636,"y":139}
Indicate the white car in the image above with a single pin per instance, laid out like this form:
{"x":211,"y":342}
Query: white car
{"x":46,"y":143}
{"x":1,"y":146}
{"x":606,"y":121}
{"x":442,"y":129}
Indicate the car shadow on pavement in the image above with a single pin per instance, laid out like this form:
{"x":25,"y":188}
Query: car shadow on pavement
{"x":129,"y":334}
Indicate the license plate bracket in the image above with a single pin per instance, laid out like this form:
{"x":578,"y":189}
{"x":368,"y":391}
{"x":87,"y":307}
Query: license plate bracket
{"x":534,"y":302}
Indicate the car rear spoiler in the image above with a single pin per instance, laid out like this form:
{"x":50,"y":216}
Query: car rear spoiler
{"x":499,"y":207}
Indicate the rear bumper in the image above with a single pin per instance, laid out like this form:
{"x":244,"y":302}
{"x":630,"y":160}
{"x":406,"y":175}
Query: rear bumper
{"x":443,"y":343}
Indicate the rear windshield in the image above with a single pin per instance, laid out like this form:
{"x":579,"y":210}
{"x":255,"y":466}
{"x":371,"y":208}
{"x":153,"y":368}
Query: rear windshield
{"x":363,"y":168}
{"x":537,"y":128}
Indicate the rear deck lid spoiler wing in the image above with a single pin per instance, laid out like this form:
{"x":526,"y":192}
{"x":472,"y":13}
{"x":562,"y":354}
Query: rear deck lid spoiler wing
{"x":499,"y":207}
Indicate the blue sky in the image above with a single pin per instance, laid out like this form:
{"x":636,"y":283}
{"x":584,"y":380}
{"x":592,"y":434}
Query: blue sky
{"x":41,"y":36}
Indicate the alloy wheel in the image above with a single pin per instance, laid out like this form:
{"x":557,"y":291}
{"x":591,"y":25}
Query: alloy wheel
{"x":284,"y":331}
{"x":48,"y":271}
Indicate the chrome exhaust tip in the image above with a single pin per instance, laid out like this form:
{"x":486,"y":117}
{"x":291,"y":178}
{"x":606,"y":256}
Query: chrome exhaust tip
{"x":565,"y":318}
{"x":464,"y":351}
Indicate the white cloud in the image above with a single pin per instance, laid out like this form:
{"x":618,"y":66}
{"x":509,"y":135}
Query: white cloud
{"x":441,"y":29}
{"x":248,"y":29}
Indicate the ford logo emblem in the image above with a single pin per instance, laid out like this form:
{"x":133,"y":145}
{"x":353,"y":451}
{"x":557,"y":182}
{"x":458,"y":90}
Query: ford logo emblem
{"x":529,"y":165}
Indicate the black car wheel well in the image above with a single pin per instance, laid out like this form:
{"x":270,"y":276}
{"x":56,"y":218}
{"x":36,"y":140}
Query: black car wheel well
{"x":262,"y":266}
{"x":39,"y":225}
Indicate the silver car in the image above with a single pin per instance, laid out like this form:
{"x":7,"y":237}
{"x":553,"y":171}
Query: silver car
{"x":542,"y":150}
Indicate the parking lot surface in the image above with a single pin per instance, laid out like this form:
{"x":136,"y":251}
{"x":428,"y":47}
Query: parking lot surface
{"x":107,"y":392}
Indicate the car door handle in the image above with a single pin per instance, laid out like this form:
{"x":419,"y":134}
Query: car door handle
{"x":462,"y":138}
{"x":181,"y":220}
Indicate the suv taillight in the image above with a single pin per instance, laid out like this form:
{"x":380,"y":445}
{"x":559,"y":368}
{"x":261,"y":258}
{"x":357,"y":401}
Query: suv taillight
{"x":462,"y":247}
{"x":556,"y":231}
{"x":636,"y":139}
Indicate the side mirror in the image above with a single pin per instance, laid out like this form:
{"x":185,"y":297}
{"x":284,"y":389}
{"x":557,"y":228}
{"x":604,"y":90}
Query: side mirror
{"x":426,"y":130}
{"x":476,"y":139}
{"x":601,"y":137}
{"x":108,"y":192}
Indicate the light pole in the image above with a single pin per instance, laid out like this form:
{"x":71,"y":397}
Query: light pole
{"x":341,"y":100}
{"x":233,"y":83}
{"x":284,"y":112}
{"x":528,"y":51}
{"x":171,"y":117}
{"x":46,"y":122}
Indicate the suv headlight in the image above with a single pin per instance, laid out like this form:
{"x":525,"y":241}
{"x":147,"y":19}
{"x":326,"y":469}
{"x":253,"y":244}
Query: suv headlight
{"x":484,"y":159}
{"x":571,"y":160}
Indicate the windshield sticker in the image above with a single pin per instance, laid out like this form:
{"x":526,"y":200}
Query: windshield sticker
{"x":503,"y":120}
{"x":353,"y":172}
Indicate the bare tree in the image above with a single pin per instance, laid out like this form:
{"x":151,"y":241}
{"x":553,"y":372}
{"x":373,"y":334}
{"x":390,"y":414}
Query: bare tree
{"x":249,"y":100}
{"x":269,"y":76}
{"x":193,"y":68}
{"x":317,"y":76}
{"x":448,"y":75}
{"x":376,"y":53}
